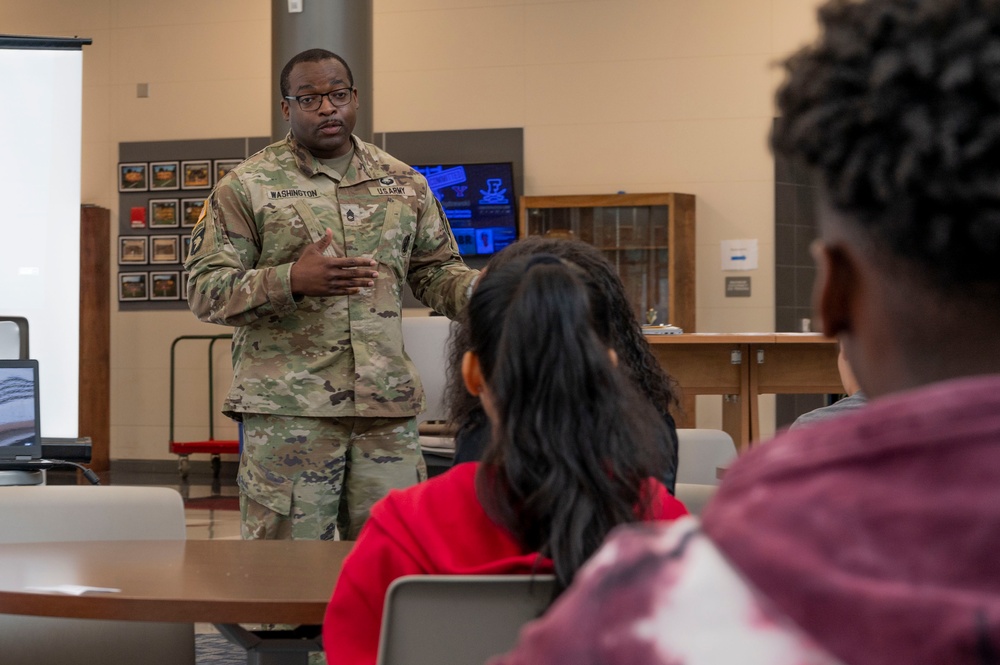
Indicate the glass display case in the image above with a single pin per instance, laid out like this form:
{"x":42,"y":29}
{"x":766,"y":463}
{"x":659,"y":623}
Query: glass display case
{"x":649,"y":238}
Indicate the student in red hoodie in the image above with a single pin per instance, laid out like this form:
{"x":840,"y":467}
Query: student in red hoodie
{"x":573,"y":454}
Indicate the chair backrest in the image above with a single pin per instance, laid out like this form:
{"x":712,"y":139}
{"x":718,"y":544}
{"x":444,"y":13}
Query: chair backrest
{"x":14,"y":338}
{"x":51,"y":513}
{"x":694,"y":497}
{"x":458,"y":619}
{"x":700,"y":453}
{"x":425,"y":340}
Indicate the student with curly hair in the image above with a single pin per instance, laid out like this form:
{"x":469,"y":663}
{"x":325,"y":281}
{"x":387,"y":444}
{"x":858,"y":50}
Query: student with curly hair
{"x":573,"y":453}
{"x":872,"y":539}
{"x":617,"y":326}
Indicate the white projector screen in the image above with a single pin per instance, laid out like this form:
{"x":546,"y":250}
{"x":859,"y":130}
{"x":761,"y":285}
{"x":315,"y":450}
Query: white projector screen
{"x":40,"y":123}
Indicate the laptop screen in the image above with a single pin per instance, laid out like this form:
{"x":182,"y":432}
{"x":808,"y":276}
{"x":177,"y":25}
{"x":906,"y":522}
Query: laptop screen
{"x":20,"y":427}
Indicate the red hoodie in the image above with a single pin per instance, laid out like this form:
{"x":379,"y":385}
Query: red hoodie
{"x":436,"y":527}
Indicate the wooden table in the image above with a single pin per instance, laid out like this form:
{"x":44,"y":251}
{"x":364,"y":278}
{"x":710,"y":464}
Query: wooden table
{"x":224,"y":582}
{"x":743,"y":366}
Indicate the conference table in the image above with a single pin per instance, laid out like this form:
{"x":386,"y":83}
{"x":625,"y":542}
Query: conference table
{"x":222,"y":582}
{"x":743,"y":366}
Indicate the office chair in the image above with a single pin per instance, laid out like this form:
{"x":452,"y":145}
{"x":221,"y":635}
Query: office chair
{"x":425,"y":340}
{"x":54,"y":513}
{"x":457,"y":619}
{"x":701,"y":452}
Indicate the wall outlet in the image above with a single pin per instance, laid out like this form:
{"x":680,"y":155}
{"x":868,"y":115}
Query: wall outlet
{"x":142,"y":90}
{"x":295,"y":6}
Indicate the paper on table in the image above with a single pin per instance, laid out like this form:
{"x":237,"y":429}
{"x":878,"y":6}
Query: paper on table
{"x":72,"y":589}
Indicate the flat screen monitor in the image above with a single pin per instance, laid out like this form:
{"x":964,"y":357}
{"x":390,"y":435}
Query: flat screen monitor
{"x":20,"y":428}
{"x":479,"y":201}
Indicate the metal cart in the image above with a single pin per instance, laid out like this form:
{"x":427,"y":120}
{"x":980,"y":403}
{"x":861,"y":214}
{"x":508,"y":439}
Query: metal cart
{"x":212,"y":446}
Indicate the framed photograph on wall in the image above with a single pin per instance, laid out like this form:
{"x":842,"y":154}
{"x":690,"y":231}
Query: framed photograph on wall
{"x":132,"y":250}
{"x":133,"y":177}
{"x":133,"y":286}
{"x":224,"y":166}
{"x":185,"y":247}
{"x":163,"y":214}
{"x":196,"y":174}
{"x":165,"y":285}
{"x":184,"y":285}
{"x":163,"y":249}
{"x":164,"y":175}
{"x":191,"y":211}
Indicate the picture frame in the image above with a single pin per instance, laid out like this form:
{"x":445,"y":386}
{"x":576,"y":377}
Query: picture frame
{"x":185,"y":247}
{"x":133,"y":177}
{"x":165,"y":285}
{"x":133,"y":286}
{"x":163,"y":249}
{"x":164,"y":175}
{"x":184,"y":285}
{"x":196,"y":174}
{"x":191,"y":211}
{"x":164,"y":214}
{"x":133,"y":250}
{"x":223,"y":166}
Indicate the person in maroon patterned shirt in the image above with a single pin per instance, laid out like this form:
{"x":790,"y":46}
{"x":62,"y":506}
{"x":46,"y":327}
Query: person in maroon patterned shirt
{"x":873,"y":539}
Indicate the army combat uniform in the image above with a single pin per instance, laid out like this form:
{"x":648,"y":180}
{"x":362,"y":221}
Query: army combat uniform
{"x":327,"y":396}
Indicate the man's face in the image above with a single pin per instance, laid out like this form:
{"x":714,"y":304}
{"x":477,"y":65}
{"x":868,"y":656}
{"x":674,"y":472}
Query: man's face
{"x":325,"y":132}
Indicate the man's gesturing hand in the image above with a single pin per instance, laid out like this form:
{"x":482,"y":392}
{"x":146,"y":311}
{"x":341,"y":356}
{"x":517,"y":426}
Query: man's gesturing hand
{"x":317,"y":275}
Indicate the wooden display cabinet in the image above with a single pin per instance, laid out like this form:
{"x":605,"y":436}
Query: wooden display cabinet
{"x":649,"y":238}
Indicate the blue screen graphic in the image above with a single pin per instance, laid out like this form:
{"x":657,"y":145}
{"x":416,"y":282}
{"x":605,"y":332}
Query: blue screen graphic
{"x":479,"y":201}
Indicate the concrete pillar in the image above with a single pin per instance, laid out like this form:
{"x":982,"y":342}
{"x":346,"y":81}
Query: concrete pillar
{"x":341,"y":26}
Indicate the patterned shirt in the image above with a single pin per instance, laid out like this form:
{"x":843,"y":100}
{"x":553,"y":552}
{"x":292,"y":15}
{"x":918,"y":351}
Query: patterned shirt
{"x":662,"y":595}
{"x":336,"y":356}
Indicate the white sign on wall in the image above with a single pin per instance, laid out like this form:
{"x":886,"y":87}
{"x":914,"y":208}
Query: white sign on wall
{"x":739,"y":254}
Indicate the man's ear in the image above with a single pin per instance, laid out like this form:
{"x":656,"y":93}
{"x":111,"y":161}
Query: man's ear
{"x":285,"y":110}
{"x":836,"y":288}
{"x":472,"y":373}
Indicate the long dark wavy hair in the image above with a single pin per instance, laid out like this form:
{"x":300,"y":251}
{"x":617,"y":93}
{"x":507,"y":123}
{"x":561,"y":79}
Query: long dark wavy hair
{"x":619,"y":329}
{"x":572,"y":447}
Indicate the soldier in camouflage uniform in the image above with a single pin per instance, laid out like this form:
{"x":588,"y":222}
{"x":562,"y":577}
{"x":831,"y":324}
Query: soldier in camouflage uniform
{"x":304,"y":248}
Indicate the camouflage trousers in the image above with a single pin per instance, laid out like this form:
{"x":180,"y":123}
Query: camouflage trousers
{"x":310,"y":478}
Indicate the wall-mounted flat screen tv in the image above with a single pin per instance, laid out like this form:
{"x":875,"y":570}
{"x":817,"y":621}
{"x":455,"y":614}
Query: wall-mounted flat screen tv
{"x":479,"y":201}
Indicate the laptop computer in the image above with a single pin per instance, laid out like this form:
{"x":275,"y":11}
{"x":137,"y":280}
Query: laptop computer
{"x":20,"y":424}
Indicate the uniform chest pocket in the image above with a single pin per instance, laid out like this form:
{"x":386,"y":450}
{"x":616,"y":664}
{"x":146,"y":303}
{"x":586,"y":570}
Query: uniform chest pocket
{"x":399,"y":237}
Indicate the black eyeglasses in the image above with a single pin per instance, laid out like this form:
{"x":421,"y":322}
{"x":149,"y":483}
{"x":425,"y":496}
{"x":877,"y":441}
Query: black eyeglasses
{"x":311,"y":102}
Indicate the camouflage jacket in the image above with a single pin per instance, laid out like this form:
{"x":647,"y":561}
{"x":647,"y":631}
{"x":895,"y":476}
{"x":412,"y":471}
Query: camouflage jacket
{"x":333,"y":356}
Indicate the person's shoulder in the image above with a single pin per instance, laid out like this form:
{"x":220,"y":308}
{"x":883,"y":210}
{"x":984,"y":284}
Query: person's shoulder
{"x":662,"y":505}
{"x":437,"y":493}
{"x":276,"y":154}
{"x":267,"y":158}
{"x":380,"y":161}
{"x":849,"y":403}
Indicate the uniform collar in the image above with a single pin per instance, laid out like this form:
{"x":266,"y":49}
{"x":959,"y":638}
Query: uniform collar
{"x":364,"y":165}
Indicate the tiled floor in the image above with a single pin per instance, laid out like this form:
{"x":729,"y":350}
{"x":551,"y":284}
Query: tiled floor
{"x":212,"y":520}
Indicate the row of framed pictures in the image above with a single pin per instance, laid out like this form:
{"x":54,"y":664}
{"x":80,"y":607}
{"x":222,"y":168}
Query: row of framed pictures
{"x":153,"y":285}
{"x":140,"y":250}
{"x":171,"y":213}
{"x":165,"y":176}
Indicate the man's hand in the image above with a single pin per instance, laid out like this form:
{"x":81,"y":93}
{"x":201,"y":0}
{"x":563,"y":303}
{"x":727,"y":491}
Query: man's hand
{"x":317,"y":275}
